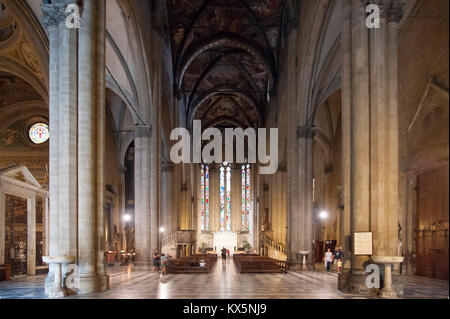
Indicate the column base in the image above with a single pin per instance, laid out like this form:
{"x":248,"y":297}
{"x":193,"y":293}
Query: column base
{"x":88,"y":284}
{"x":354,"y":282}
{"x":103,"y":282}
{"x":55,"y":294}
{"x":50,"y":290}
{"x":388,"y":294}
{"x":294,"y":266}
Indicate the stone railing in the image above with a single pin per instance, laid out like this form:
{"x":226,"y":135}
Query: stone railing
{"x":179,"y":237}
{"x":276,"y":246}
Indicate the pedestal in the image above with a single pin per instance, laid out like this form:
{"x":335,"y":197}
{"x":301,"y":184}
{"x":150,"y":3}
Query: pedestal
{"x":388,"y":290}
{"x":58,"y":290}
{"x":304,"y":255}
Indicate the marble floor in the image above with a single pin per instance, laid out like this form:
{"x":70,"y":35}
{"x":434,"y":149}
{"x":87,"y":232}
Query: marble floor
{"x":224,"y":282}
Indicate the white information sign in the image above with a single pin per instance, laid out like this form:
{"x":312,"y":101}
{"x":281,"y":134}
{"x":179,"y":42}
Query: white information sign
{"x":363,"y":243}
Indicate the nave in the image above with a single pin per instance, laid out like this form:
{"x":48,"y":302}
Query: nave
{"x":224,"y":282}
{"x":104,"y":130}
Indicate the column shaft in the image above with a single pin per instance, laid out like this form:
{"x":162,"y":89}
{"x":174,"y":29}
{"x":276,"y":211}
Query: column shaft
{"x":88,"y":109}
{"x":31,"y":236}
{"x":101,"y":115}
{"x":2,"y":225}
{"x":360,"y":127}
{"x":293,"y":217}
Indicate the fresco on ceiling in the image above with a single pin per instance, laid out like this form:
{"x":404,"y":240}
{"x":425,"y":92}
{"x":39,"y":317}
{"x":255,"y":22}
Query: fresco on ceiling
{"x":240,"y":68}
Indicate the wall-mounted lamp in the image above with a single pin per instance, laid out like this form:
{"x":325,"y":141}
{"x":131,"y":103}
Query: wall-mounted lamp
{"x":323,"y":215}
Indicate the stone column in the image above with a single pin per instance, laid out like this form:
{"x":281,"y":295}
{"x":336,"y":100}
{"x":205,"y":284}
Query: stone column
{"x":122,"y":205}
{"x":87,"y":187}
{"x":305,"y":135}
{"x":62,"y":235}
{"x":370,"y":137}
{"x":103,"y":279}
{"x":77,"y":84}
{"x":356,"y":137}
{"x":146,"y":205}
{"x":46,"y":226}
{"x":31,"y":236}
{"x":2,"y":225}
{"x":293,"y":217}
{"x":167,"y":175}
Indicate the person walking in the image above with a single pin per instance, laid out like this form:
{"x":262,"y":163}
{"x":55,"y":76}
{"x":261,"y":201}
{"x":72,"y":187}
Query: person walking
{"x":164,"y":265}
{"x":224,"y":255}
{"x":156,"y":259}
{"x":338,"y":258}
{"x":328,"y":259}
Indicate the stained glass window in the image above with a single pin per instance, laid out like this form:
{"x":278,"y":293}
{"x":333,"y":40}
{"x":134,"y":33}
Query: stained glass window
{"x":249,"y":197}
{"x":204,"y":197}
{"x":222,"y":199}
{"x":244,"y":201}
{"x":246,"y":197}
{"x":225,"y":197}
{"x":39,"y":133}
{"x":228,"y":198}
{"x":207,"y":198}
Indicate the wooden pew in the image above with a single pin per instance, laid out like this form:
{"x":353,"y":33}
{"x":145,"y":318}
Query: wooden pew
{"x":259,"y":264}
{"x":191,"y":264}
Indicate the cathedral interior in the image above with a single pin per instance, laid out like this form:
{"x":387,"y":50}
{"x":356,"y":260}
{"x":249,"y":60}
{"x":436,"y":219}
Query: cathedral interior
{"x":92,"y":91}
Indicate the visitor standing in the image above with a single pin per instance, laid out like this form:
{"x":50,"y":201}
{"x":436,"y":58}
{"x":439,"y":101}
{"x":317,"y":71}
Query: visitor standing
{"x":224,"y":255}
{"x":328,"y":259}
{"x":156,"y":259}
{"x":338,"y":258}
{"x":164,"y":265}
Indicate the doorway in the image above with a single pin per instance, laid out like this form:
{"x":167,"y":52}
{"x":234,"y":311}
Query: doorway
{"x":16,"y":230}
{"x":432,"y":223}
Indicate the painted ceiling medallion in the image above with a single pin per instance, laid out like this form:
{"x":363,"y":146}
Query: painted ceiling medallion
{"x":39,"y":133}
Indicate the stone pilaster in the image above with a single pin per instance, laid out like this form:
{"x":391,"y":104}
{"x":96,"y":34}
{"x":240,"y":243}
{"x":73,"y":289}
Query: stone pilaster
{"x":293,"y":218}
{"x":31,"y":236}
{"x":305,"y":135}
{"x":100,"y":44}
{"x":167,"y":207}
{"x":90,"y":147}
{"x":2,"y":225}
{"x":146,"y":214}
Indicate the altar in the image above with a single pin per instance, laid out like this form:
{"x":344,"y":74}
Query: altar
{"x":227,"y":240}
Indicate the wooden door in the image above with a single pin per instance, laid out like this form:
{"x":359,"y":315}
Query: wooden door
{"x":319,"y":251}
{"x":432,"y":223}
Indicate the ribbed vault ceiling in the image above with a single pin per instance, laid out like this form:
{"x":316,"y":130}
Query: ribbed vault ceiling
{"x":225,"y":58}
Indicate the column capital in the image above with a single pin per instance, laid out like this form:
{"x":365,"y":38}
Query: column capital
{"x":391,"y":10}
{"x":306,"y":131}
{"x":54,"y":12}
{"x":143,"y":130}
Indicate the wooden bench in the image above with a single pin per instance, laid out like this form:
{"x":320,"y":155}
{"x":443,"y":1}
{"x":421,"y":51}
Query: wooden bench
{"x":258,"y":264}
{"x":191,"y":264}
{"x":5,"y":272}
